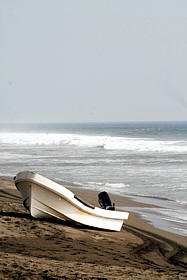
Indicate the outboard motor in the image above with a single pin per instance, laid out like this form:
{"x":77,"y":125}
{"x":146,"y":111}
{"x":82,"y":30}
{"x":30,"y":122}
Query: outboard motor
{"x":105,"y":202}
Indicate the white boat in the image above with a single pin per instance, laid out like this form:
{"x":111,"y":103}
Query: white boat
{"x":45,"y":199}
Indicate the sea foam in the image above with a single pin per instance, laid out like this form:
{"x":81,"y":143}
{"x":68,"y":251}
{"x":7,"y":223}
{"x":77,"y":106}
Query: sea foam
{"x":89,"y":141}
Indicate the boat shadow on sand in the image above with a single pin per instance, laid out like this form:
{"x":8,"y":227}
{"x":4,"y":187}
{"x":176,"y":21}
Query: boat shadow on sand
{"x":53,"y":221}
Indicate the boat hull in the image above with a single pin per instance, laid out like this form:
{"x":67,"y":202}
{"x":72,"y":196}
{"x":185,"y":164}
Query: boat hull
{"x":44,"y":198}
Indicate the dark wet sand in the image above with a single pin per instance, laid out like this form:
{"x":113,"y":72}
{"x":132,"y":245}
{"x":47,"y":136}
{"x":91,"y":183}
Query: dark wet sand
{"x":35,"y":249}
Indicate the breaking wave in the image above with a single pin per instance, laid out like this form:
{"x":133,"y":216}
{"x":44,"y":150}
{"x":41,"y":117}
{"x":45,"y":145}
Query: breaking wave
{"x":105,"y":142}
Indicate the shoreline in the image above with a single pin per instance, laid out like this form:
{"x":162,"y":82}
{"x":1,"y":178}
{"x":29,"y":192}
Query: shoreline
{"x":134,"y":220}
{"x":42,"y":249}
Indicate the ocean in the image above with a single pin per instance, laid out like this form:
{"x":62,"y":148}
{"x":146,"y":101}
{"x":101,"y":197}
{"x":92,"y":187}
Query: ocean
{"x":146,"y":161}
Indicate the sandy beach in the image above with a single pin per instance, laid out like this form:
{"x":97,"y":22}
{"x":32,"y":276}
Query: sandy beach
{"x":43,"y":249}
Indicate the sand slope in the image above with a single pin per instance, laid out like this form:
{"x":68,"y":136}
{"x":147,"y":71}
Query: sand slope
{"x":35,"y":249}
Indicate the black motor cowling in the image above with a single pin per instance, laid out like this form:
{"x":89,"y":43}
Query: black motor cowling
{"x":105,"y":202}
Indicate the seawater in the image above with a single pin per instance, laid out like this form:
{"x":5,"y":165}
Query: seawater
{"x":145,"y":161}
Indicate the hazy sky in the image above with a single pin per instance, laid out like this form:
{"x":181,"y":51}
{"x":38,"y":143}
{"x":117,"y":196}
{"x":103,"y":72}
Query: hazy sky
{"x":93,"y":60}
